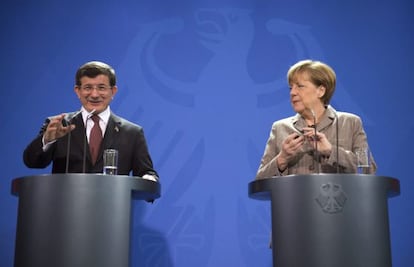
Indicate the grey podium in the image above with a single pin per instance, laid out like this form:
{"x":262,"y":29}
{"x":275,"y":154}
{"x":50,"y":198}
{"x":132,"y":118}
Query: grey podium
{"x":77,"y":219}
{"x":332,"y":220}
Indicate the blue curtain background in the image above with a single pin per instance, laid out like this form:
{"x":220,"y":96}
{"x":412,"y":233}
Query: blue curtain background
{"x":206,"y":79}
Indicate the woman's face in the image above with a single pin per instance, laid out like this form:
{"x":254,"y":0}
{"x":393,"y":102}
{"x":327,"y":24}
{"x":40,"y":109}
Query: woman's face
{"x":304,"y":95}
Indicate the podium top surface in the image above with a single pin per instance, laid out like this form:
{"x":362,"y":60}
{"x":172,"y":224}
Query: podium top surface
{"x":262,"y":189}
{"x":139,"y":187}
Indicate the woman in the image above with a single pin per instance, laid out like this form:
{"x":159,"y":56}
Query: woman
{"x":318,"y":138}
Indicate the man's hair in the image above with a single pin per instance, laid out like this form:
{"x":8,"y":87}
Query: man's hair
{"x":94,"y":68}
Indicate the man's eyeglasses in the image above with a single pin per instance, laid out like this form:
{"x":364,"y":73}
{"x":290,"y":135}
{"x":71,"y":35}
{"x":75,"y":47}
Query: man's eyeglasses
{"x":101,"y":88}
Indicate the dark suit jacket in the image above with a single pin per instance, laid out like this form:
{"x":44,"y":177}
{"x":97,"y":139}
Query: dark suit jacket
{"x":122,"y":135}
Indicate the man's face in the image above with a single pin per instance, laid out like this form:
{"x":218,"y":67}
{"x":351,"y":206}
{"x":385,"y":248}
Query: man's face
{"x":95,"y":93}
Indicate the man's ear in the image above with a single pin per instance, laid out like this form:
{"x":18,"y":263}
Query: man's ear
{"x":77,"y":90}
{"x":114,"y":90}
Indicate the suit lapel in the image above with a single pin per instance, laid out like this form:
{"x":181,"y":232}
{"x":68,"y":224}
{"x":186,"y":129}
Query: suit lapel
{"x":111,"y":134}
{"x":78,"y":137}
{"x":327,"y":120}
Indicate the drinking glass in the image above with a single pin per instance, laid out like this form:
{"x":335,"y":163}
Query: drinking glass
{"x":363,"y":160}
{"x":110,"y":159}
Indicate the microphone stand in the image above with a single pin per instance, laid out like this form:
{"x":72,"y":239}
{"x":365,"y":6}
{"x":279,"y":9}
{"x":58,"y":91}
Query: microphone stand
{"x":337,"y":143}
{"x":316,"y":142}
{"x":85,"y":140}
{"x":84,"y":149}
{"x":68,"y":153}
{"x":68,"y":123}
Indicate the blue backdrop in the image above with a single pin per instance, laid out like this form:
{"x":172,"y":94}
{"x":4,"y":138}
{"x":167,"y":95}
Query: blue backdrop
{"x":206,"y":79}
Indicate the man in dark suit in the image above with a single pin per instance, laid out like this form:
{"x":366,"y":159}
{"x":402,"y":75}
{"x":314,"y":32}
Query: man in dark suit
{"x":69,"y":134}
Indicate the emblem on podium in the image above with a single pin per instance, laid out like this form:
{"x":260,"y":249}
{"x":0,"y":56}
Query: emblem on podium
{"x":331,"y":198}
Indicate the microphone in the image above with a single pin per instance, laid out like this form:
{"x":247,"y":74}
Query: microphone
{"x":67,"y":120}
{"x":337,"y":141}
{"x":315,"y":141}
{"x":90,"y":114}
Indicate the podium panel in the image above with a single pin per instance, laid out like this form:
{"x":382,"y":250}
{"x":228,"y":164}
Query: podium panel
{"x":333,"y":220}
{"x":76,"y":219}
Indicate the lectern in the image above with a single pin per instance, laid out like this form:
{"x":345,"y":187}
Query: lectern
{"x":332,"y":220}
{"x":76,"y":219}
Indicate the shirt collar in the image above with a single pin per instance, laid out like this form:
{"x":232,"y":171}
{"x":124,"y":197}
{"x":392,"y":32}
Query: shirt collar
{"x":104,"y":115}
{"x":327,"y":119}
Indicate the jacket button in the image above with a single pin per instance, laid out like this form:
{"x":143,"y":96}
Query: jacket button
{"x":311,"y":167}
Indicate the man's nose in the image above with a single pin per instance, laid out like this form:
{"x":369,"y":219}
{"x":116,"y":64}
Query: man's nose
{"x":94,"y":91}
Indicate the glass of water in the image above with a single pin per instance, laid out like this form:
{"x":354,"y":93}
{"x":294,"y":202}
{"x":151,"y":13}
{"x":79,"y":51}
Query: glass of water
{"x":110,"y":160}
{"x":363,"y":160}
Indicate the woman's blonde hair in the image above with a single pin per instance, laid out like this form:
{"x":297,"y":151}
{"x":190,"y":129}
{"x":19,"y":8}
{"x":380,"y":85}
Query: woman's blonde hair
{"x":320,"y":74}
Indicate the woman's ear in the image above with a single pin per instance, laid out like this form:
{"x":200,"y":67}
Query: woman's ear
{"x":321,"y":91}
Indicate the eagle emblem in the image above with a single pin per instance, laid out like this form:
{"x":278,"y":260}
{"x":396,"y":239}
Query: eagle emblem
{"x":331,"y":198}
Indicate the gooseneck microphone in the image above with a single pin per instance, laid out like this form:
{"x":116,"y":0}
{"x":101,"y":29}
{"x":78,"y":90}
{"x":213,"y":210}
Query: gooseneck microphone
{"x":67,"y":121}
{"x":90,"y":114}
{"x":337,"y":141}
{"x":315,"y":141}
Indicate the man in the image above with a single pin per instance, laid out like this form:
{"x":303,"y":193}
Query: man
{"x":62,"y":138}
